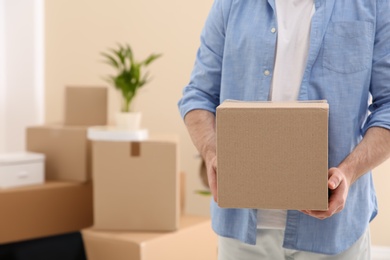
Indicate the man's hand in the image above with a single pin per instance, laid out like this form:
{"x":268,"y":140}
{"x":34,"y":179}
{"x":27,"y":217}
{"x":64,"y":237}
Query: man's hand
{"x":338,"y":185}
{"x":211,"y":166}
{"x":369,"y":153}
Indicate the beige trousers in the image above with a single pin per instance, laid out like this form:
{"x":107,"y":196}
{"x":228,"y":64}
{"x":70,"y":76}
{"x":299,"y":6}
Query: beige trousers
{"x":269,"y":246}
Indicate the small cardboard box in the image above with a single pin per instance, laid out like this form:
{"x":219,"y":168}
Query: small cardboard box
{"x":272,"y":155}
{"x":136,"y":185}
{"x":194,"y":240}
{"x":21,"y":169}
{"x":52,"y":208}
{"x":85,"y":106}
{"x":67,"y":151}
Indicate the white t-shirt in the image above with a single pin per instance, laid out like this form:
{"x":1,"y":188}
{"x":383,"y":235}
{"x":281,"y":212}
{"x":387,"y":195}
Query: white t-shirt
{"x":294,"y":19}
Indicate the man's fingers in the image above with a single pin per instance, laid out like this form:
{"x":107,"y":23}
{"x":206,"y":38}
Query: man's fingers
{"x":339,"y":186}
{"x":212,"y":176}
{"x":332,"y":184}
{"x":334,"y":179}
{"x":324,"y":214}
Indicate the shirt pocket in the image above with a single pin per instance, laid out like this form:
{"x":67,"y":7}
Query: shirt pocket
{"x":348,"y":46}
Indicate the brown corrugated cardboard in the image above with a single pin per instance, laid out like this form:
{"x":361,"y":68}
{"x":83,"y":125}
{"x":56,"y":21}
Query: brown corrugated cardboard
{"x":272,"y":155}
{"x":85,"y":106}
{"x":194,"y":240}
{"x":136,"y":185}
{"x":67,"y":151}
{"x":43,"y":210}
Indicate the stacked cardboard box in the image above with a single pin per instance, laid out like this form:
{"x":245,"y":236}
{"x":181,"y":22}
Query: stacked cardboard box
{"x":66,"y":146}
{"x":193,"y":241}
{"x":138,"y":197}
{"x":64,"y":202}
{"x":85,"y":106}
{"x":136,"y":188}
{"x":44,"y":210}
{"x":136,"y":184}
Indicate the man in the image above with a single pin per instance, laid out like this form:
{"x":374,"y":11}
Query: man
{"x":280,"y":50}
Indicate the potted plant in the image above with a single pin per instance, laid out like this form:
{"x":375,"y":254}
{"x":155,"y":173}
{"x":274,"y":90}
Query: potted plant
{"x":128,"y":79}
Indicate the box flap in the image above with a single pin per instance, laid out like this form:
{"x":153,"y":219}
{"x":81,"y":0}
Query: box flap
{"x":274,"y":104}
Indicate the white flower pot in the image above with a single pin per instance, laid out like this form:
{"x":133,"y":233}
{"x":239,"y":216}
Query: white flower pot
{"x":128,"y":120}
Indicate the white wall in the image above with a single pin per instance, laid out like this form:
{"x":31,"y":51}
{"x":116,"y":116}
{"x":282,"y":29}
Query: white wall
{"x":2,"y":77}
{"x":21,"y":83}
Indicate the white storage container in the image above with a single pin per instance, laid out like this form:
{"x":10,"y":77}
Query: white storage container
{"x":113,"y":133}
{"x":21,"y":169}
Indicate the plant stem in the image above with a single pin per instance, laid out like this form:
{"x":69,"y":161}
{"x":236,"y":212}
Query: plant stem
{"x":126,"y":104}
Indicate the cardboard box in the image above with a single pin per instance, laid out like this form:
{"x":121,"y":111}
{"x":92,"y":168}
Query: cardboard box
{"x":85,"y":106}
{"x":67,"y":151}
{"x":21,"y":169}
{"x":136,"y":184}
{"x":272,"y":155}
{"x":43,"y":210}
{"x":195,"y":240}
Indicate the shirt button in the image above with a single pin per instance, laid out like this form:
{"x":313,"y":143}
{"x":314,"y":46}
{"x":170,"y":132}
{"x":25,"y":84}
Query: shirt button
{"x":273,"y":30}
{"x":267,"y":72}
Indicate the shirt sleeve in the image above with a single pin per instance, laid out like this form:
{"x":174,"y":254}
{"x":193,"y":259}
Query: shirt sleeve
{"x":380,"y":78}
{"x":203,"y":90}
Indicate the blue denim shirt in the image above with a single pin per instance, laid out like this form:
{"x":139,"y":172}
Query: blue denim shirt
{"x":348,"y":62}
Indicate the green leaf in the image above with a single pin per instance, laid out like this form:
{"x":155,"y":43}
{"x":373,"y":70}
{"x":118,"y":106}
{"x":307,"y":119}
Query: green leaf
{"x":145,"y":79}
{"x":119,"y":55}
{"x":122,"y":58}
{"x":203,"y":192}
{"x":109,"y":79}
{"x":129,"y":53}
{"x":135,"y":72}
{"x":151,"y":58}
{"x":110,"y":60}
